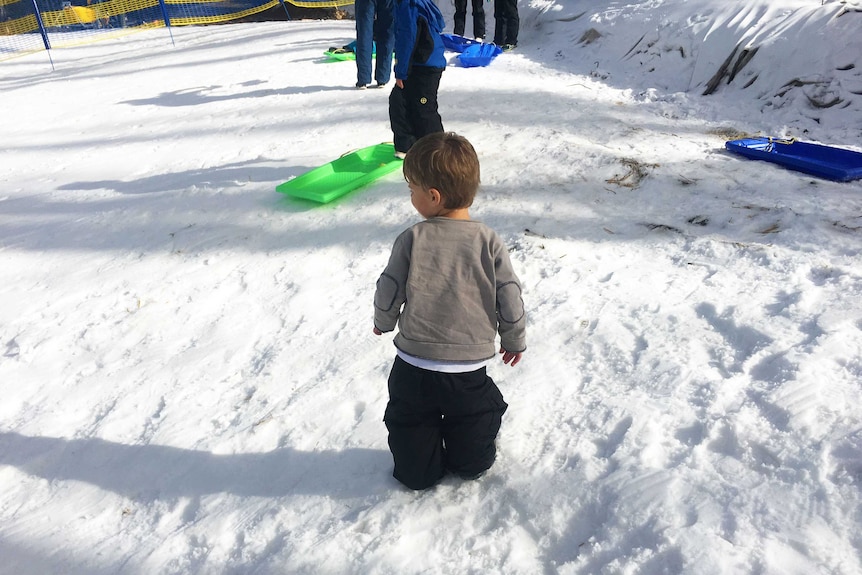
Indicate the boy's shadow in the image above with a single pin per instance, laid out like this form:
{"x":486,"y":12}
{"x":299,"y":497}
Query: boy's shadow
{"x":152,"y":472}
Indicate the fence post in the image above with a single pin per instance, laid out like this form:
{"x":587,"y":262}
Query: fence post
{"x":43,"y":32}
{"x":285,"y":9}
{"x":166,"y":18}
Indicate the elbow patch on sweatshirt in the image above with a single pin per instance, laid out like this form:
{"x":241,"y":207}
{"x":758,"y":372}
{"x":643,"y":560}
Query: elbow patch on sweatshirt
{"x":510,"y":306}
{"x":387,"y":292}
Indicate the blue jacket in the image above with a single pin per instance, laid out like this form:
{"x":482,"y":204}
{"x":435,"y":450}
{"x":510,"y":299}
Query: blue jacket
{"x":418,"y":24}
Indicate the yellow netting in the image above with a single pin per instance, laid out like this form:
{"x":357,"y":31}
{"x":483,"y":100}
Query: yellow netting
{"x":324,"y":4}
{"x":216,"y":18}
{"x":69,"y":16}
{"x":19,"y":26}
{"x":118,"y":7}
{"x":96,"y":20}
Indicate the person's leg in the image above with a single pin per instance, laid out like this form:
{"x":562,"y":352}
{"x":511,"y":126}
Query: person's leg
{"x":478,"y":19}
{"x":384,"y":31}
{"x":364,"y":12}
{"x":413,"y":420}
{"x":499,"y":22}
{"x":460,"y":17}
{"x":473,"y":409}
{"x":421,"y":94}
{"x":402,"y":129}
{"x":512,"y":22}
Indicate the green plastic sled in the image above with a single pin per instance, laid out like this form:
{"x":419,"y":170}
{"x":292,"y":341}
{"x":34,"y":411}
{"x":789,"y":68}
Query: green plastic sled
{"x":338,"y":177}
{"x":336,"y":54}
{"x":339,"y":56}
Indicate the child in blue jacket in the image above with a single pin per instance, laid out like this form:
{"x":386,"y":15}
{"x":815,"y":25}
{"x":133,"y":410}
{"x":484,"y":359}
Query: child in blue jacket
{"x":419,"y":65}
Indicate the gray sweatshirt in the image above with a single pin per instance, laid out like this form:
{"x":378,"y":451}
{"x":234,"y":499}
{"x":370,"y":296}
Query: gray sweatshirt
{"x":457,"y":287}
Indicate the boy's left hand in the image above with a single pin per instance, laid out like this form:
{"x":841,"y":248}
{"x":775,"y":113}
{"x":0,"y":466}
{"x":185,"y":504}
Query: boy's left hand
{"x":377,"y":331}
{"x":509,"y":356}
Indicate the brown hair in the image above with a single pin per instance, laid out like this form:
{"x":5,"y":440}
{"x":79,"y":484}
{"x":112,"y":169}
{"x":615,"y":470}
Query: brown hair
{"x":447,"y":162}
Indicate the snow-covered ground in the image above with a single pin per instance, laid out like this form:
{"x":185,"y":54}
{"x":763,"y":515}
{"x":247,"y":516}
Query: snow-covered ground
{"x":188,"y":374}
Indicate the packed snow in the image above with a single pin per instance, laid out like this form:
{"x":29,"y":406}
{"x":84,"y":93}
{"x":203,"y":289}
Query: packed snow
{"x":191,"y":385}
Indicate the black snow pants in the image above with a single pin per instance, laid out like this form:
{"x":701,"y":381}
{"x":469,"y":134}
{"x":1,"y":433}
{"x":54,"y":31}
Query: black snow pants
{"x":441,"y":421}
{"x":460,"y":18}
{"x":413,"y":109}
{"x":506,"y":22}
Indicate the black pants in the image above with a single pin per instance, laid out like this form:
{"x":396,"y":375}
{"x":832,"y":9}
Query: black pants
{"x":441,"y":421}
{"x":506,"y":22}
{"x":460,"y":18}
{"x":413,"y":109}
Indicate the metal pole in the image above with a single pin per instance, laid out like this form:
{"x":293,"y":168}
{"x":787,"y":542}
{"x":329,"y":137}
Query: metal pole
{"x":285,"y":9}
{"x":43,"y":32}
{"x":167,"y":20}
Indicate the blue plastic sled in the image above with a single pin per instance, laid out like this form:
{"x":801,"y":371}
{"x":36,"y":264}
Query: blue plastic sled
{"x":479,"y":55}
{"x":457,"y":43}
{"x":826,"y":162}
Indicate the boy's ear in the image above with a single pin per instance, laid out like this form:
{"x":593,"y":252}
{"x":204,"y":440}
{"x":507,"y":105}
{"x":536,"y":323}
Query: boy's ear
{"x":436,"y":196}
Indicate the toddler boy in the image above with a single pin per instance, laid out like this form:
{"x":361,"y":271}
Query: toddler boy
{"x":450,"y":288}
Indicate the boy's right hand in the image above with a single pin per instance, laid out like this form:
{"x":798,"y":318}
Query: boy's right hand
{"x":508,"y":356}
{"x":377,"y":331}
